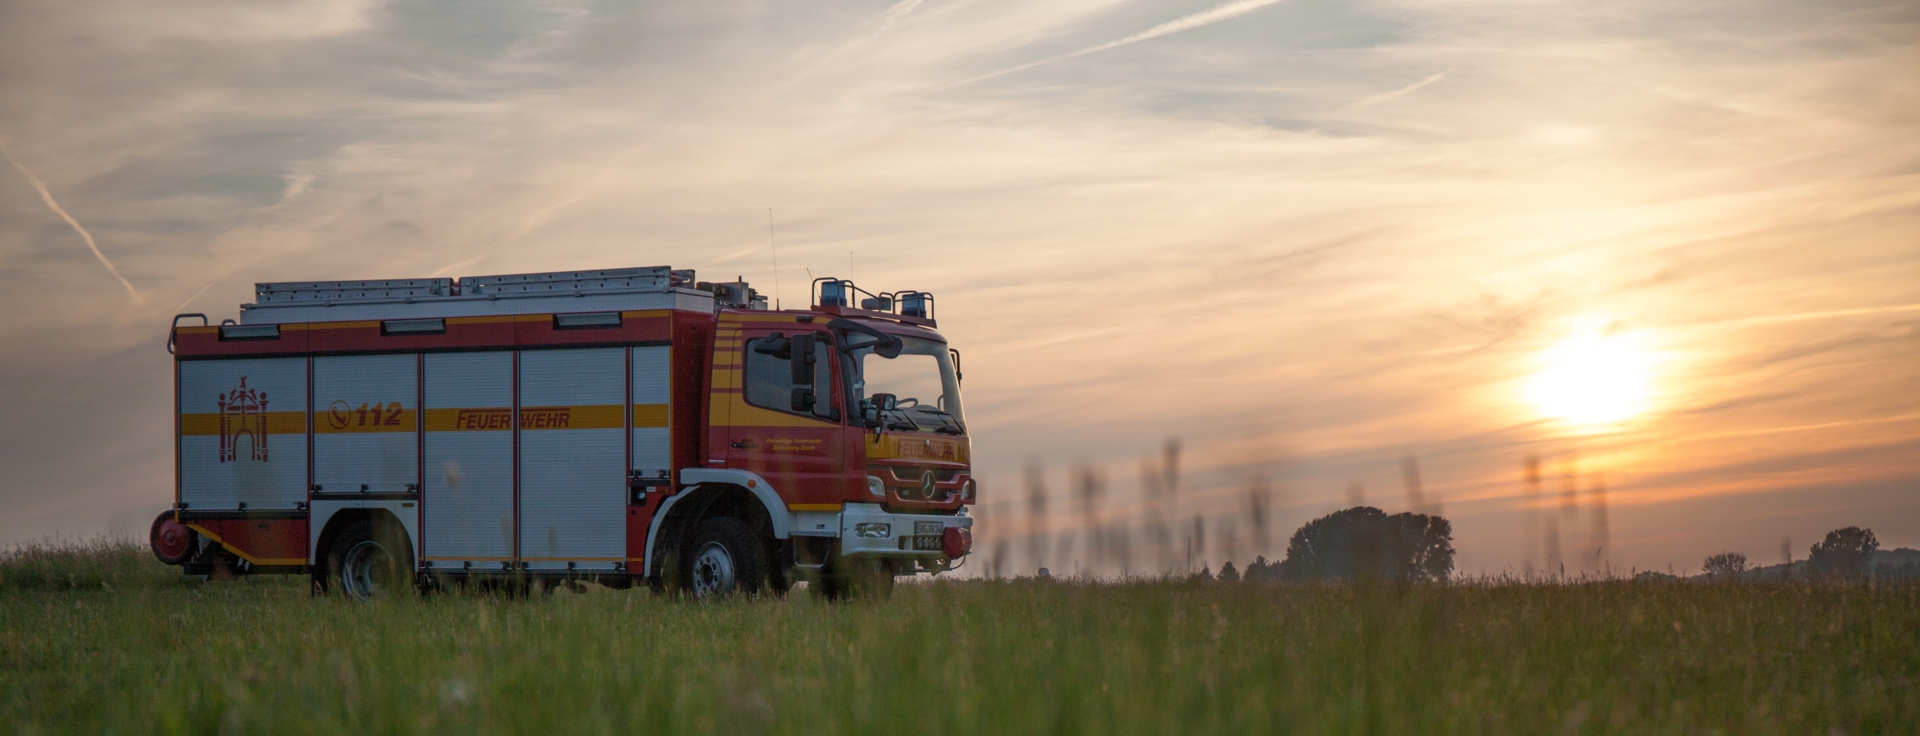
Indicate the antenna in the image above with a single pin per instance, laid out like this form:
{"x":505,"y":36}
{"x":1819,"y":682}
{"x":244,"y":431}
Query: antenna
{"x":776,"y":260}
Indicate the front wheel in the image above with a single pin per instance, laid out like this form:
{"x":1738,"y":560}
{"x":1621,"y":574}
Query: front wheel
{"x":370,"y":561}
{"x":724,"y":559}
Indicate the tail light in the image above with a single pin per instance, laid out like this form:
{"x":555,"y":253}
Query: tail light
{"x":956,"y":542}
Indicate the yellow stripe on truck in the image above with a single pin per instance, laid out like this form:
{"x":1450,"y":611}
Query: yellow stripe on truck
{"x":649,"y":415}
{"x":278,"y":422}
{"x":571,"y":417}
{"x":478,"y":419}
{"x":378,"y":419}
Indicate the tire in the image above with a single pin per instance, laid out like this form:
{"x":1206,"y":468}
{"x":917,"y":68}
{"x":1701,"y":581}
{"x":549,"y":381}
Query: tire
{"x":370,"y":561}
{"x":855,"y":578}
{"x":723,"y":559}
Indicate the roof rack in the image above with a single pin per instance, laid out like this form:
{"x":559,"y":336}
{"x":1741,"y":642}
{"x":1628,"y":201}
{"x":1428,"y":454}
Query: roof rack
{"x":653,"y":287}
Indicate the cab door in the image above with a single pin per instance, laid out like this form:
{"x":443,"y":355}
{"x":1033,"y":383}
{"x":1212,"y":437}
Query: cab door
{"x":784,"y":423}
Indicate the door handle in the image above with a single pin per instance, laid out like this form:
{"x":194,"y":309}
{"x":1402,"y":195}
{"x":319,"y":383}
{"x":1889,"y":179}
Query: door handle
{"x":745,"y":445}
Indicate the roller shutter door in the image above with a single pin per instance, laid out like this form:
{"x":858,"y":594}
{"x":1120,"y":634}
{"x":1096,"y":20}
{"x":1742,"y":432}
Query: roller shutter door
{"x":365,"y":424}
{"x":573,"y":458}
{"x":468,"y":498}
{"x":652,"y":441}
{"x":243,"y":426}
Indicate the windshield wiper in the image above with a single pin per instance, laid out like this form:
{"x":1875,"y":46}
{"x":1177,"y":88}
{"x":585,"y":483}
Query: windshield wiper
{"x":909,"y":424}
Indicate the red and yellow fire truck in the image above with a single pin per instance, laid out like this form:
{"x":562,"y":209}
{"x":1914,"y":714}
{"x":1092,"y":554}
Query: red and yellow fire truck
{"x":624,"y":426}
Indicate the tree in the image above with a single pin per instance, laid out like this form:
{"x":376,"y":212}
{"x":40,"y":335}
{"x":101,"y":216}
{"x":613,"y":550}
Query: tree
{"x":1363,"y":543}
{"x":1726,"y":565}
{"x":1261,"y":570}
{"x":1845,"y":553}
{"x":1228,"y":574}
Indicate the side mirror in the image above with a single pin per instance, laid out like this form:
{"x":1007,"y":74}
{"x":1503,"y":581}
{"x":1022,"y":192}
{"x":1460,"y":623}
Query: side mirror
{"x":889,"y":349}
{"x":885,"y":402}
{"x":802,"y":360}
{"x":776,"y":345}
{"x":803,"y":400}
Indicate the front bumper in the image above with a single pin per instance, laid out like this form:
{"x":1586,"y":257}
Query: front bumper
{"x":905,"y":535}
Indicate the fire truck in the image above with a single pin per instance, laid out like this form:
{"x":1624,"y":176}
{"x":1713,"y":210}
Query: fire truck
{"x":622,"y":426}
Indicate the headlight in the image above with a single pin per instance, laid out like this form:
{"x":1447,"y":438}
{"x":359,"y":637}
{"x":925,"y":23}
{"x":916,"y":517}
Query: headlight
{"x":872,"y":530}
{"x":966,"y":490}
{"x":875,"y":487}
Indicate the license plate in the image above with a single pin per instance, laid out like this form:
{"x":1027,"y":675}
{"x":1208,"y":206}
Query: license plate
{"x":928,"y":527}
{"x":924,"y":543}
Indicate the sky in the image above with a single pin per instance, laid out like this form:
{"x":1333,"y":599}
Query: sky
{"x":1375,"y":252}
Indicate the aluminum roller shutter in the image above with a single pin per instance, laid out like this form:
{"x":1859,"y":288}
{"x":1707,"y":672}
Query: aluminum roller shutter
{"x":652,"y":392}
{"x":365,"y":423}
{"x":468,"y":498}
{"x":243,"y":427}
{"x":573,"y":458}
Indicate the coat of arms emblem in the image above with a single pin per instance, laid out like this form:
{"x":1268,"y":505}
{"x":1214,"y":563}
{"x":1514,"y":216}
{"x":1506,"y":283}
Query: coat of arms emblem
{"x":243,"y":412}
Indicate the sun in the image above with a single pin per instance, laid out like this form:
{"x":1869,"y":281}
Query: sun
{"x":1593,"y":378}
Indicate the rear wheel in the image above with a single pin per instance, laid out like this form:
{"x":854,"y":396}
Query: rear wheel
{"x":371,"y":561}
{"x":723,"y":559}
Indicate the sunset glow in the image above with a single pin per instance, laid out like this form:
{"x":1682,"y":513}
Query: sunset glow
{"x":1648,"y":264}
{"x":1592,"y":379}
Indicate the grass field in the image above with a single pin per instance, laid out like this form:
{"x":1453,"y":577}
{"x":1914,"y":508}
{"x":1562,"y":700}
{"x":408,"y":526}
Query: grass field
{"x":99,"y":638}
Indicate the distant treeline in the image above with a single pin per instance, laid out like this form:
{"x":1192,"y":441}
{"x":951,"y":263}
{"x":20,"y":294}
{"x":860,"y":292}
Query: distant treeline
{"x":1360,"y":543}
{"x":1850,"y":554}
{"x":1365,"y":543}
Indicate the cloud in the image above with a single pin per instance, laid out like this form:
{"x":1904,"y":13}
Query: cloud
{"x":47,"y":196}
{"x":1224,"y":11}
{"x":1403,"y":91}
{"x":1212,"y":240}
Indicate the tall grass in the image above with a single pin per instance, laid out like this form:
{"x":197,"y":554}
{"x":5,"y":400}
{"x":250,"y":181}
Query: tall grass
{"x":969,"y":657}
{"x":76,"y":564}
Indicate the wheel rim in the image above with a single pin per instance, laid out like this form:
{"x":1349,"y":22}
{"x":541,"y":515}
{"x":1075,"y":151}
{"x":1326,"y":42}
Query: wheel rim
{"x":364,"y":570}
{"x":712,"y":570}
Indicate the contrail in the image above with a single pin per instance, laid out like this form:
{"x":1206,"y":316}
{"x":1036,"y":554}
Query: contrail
{"x":1377,"y":99}
{"x":196,"y":295}
{"x":1205,"y":17}
{"x":47,"y":197}
{"x":888,"y":19}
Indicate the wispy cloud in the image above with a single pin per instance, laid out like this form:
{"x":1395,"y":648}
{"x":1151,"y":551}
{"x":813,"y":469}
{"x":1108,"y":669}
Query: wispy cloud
{"x":47,"y":197}
{"x":1402,"y":92}
{"x":1185,"y":23}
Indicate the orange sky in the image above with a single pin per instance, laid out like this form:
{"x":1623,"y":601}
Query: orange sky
{"x":1310,"y":239}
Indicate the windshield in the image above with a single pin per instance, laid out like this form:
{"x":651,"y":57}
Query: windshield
{"x":921,"y":380}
